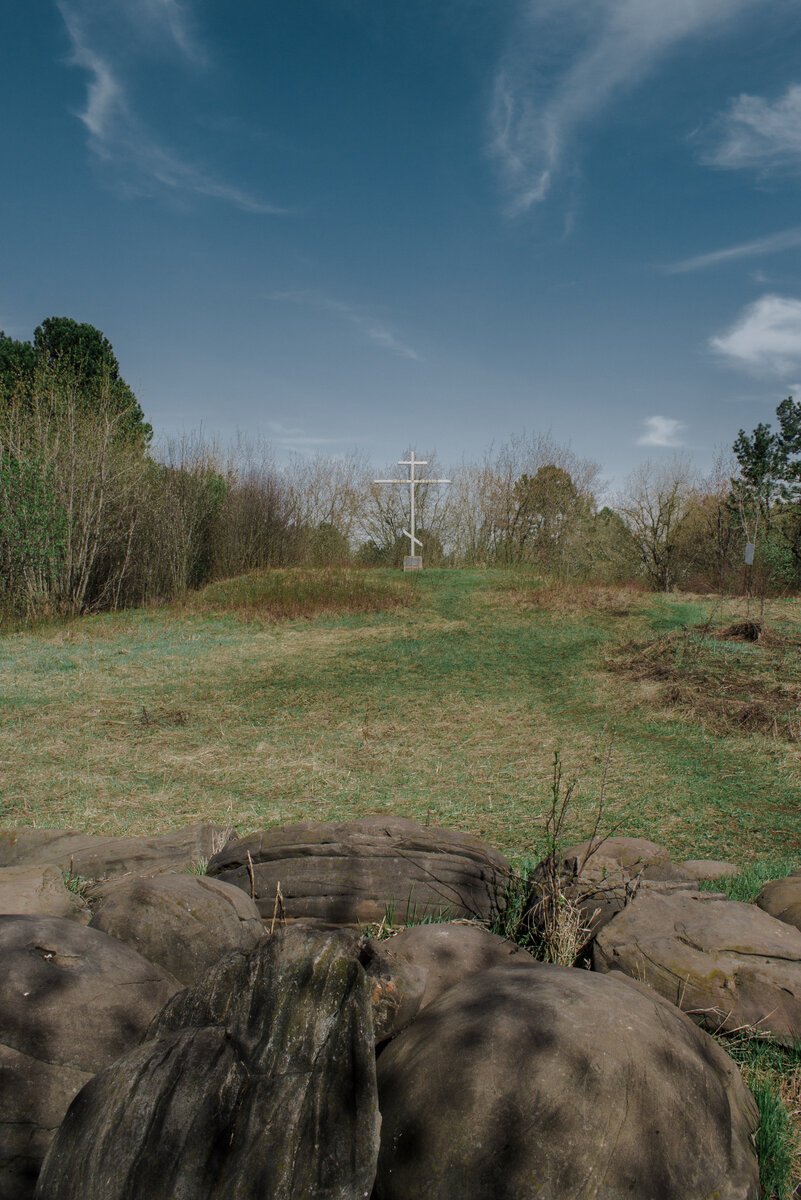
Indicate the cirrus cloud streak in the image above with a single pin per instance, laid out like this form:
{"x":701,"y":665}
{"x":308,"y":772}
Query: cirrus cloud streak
{"x":759,"y":135}
{"x":139,"y":161}
{"x":570,"y":61}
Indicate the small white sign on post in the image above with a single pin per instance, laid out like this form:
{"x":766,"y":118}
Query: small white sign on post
{"x":749,"y":554}
{"x":412,"y":561}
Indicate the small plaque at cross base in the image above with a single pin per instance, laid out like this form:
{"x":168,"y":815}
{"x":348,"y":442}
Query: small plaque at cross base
{"x":413,"y":562}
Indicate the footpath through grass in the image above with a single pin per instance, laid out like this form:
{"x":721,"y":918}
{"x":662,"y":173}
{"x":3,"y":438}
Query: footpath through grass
{"x":441,"y":698}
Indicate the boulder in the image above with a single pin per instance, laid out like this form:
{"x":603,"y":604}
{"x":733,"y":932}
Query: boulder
{"x":782,"y":899}
{"x":71,"y":1001}
{"x":185,"y":923}
{"x":355,"y":873}
{"x":726,"y":964}
{"x":619,"y":859}
{"x":703,"y":869}
{"x":600,"y":878}
{"x":558,"y":1083}
{"x":257,"y":1082}
{"x":600,"y":902}
{"x":39,"y":891}
{"x":424,"y":961}
{"x":96,"y":857}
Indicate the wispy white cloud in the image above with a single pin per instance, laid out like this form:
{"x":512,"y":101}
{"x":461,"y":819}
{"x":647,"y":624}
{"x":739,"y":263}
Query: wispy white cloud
{"x":294,"y":438}
{"x":374,"y":330}
{"x":132,"y":27}
{"x":765,"y":338}
{"x":759,"y":134}
{"x":571,"y":59}
{"x":775,"y":242}
{"x":105,"y":97}
{"x":116,"y":136}
{"x":175,"y":18}
{"x":661,"y":431}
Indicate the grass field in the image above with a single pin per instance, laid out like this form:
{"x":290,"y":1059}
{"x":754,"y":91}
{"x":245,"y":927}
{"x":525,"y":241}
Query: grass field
{"x":441,"y":696}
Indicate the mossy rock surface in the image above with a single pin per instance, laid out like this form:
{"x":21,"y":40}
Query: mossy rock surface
{"x":258,"y":1081}
{"x":727,"y":964}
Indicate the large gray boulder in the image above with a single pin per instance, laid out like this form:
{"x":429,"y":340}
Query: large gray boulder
{"x":98,"y":857}
{"x":598,"y":903}
{"x":726,"y":964}
{"x":782,"y":899}
{"x":71,"y":1001}
{"x":185,"y":923}
{"x":413,"y":968}
{"x":354,"y":873}
{"x":39,"y":891}
{"x":257,"y":1082}
{"x":558,"y":1083}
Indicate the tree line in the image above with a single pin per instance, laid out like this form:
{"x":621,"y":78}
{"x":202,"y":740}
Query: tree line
{"x":94,"y":517}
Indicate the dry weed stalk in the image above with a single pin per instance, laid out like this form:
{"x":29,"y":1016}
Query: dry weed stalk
{"x":220,"y":838}
{"x":279,"y":913}
{"x":561,"y":920}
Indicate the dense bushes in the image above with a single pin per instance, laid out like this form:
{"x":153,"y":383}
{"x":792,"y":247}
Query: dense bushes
{"x":92,"y":518}
{"x":89,"y":519}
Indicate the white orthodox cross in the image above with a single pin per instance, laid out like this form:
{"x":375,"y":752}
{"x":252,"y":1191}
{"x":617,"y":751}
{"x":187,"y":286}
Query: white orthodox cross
{"x":412,"y":481}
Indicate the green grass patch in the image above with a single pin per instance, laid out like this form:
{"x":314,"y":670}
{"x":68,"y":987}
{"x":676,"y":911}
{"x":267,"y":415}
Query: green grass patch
{"x":447,"y":710}
{"x":773,"y":1073}
{"x":748,"y":883}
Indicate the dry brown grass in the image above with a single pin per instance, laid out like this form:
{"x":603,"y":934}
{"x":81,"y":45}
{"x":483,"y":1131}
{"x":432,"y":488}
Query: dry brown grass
{"x":572,"y":599}
{"x":694,"y":674}
{"x":448,"y":710}
{"x":289,"y":593}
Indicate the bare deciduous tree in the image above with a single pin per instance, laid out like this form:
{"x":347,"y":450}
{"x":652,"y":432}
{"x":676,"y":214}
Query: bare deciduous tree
{"x":654,"y":506}
{"x":490,"y":517}
{"x":328,"y":490}
{"x":386,"y":510}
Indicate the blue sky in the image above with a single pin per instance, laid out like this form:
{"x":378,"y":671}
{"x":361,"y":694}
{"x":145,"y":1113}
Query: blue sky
{"x":430,"y":222}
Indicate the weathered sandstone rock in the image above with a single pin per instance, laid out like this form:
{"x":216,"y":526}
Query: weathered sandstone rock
{"x":39,"y":891}
{"x":619,"y":860}
{"x":782,"y":899}
{"x":257,"y":1082}
{"x":185,"y":923}
{"x":558,"y":1083}
{"x":97,"y":857}
{"x":724,"y":963}
{"x":707,"y":869}
{"x":424,"y":961}
{"x":71,"y":1001}
{"x":353,"y":873}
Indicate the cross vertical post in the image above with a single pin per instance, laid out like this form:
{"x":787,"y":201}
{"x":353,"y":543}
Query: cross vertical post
{"x":412,"y":561}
